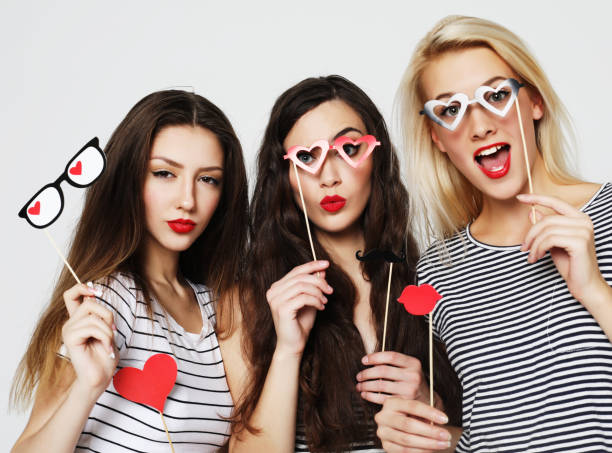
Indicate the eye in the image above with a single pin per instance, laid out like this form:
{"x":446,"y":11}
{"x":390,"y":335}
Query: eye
{"x":162,"y":174}
{"x":451,"y":110}
{"x":210,"y":180}
{"x":350,"y":149}
{"x":305,"y":157}
{"x":499,"y":96}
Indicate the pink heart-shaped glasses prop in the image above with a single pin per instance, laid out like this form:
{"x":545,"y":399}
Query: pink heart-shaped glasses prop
{"x":338,"y":145}
{"x":419,"y":300}
{"x":151,"y":385}
{"x":483,"y":96}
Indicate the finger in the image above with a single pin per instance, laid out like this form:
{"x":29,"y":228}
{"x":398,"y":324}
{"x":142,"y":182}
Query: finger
{"x":392,"y":358}
{"x":74,"y":295}
{"x":91,"y":307}
{"x":553,"y":203}
{"x":410,"y":425}
{"x":568,"y":242}
{"x":290,"y":309}
{"x":303,"y":285}
{"x":374,"y":397}
{"x":392,"y":447}
{"x":308,"y":268}
{"x":551,"y":221}
{"x":415,"y":442}
{"x":392,"y":373}
{"x":415,"y":408}
{"x":406,"y":390}
{"x":314,"y":280}
{"x":80,"y":335}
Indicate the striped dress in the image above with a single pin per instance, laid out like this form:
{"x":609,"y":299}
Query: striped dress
{"x":536,"y":368}
{"x":195,"y":409}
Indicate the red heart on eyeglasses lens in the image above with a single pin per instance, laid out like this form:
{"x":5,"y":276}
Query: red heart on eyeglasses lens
{"x":77,"y":169}
{"x":151,"y":385}
{"x":34,"y":210}
{"x":419,"y":300}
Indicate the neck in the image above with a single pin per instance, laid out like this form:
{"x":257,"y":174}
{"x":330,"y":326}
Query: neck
{"x":341,"y":246}
{"x":506,"y":222}
{"x":160,"y":265}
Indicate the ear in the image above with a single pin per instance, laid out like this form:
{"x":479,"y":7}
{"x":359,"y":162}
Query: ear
{"x":436,"y":140}
{"x":537,"y":106}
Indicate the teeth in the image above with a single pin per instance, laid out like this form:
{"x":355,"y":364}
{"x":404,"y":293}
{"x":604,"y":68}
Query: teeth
{"x":489,"y":151}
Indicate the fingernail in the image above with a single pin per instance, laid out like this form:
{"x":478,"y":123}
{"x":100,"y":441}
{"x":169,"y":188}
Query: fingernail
{"x":112,"y":353}
{"x":98,"y":292}
{"x":114,"y":327}
{"x":521,"y":196}
{"x":444,"y":435}
{"x":444,"y":444}
{"x":90,"y":284}
{"x":330,"y":289}
{"x":364,"y":360}
{"x":443,"y":419}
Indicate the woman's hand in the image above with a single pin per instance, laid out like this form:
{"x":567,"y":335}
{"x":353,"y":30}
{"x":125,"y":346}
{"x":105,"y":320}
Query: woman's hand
{"x":294,"y":301}
{"x":568,"y":236}
{"x":410,"y":426}
{"x":88,"y":336}
{"x":391,"y":373}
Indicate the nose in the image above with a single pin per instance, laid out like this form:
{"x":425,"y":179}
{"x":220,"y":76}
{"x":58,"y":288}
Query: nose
{"x":186,"y":199}
{"x":329,"y":175}
{"x":481,"y":123}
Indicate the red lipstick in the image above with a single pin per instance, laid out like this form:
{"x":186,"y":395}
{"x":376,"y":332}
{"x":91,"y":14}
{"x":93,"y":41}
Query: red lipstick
{"x":493,"y":160}
{"x":333,"y":203}
{"x":181,"y":225}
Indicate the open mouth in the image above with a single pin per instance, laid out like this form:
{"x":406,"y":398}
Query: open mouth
{"x":493,"y":160}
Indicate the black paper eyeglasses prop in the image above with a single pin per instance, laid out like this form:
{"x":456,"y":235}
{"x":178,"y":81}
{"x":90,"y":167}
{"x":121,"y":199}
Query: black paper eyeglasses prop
{"x":47,"y":204}
{"x":81,"y":171}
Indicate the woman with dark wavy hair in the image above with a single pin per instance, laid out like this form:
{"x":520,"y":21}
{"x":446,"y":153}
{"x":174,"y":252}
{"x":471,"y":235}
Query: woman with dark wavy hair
{"x":311,"y":328}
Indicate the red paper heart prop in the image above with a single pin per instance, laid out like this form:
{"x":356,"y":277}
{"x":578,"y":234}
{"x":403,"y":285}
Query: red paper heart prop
{"x":419,"y":300}
{"x":152,"y":385}
{"x":77,"y":169}
{"x":34,"y":210}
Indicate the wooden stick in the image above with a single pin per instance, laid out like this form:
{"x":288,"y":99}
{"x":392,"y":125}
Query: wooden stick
{"x":167,"y":433}
{"x":297,"y":176}
{"x":62,"y":256}
{"x":518,"y":112}
{"x":431,"y":383}
{"x":387,"y":306}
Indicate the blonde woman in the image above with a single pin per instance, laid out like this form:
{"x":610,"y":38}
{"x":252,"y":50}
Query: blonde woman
{"x":526,"y":315}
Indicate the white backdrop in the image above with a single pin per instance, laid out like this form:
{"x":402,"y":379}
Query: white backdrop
{"x":71,"y":70}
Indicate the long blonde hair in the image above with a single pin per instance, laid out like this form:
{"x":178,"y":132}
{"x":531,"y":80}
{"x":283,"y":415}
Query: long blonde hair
{"x":443,"y":200}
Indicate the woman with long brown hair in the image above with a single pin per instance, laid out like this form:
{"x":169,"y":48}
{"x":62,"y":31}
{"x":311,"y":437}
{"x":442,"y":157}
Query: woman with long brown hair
{"x":310,"y":329}
{"x":166,"y":218}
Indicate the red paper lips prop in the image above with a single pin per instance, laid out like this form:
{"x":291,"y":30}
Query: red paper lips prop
{"x":419,"y":300}
{"x":151,"y":385}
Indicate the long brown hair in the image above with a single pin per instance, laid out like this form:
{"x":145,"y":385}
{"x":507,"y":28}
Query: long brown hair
{"x":331,"y":410}
{"x":110,"y":233}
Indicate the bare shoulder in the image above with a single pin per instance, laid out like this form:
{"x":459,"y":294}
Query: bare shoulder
{"x":579,"y":194}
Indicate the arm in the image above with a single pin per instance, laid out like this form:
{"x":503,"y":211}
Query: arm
{"x":568,"y":235}
{"x":293,"y":301}
{"x":59,"y":413}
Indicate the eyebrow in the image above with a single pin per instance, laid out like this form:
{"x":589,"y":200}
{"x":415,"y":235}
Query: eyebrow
{"x":345,"y":130}
{"x":488,"y":82}
{"x":177,"y":165}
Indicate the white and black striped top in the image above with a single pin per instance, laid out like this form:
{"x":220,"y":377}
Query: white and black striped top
{"x":200,"y":399}
{"x":536,"y":368}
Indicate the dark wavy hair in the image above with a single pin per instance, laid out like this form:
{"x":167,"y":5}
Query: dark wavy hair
{"x":333,"y":413}
{"x":110,"y":233}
